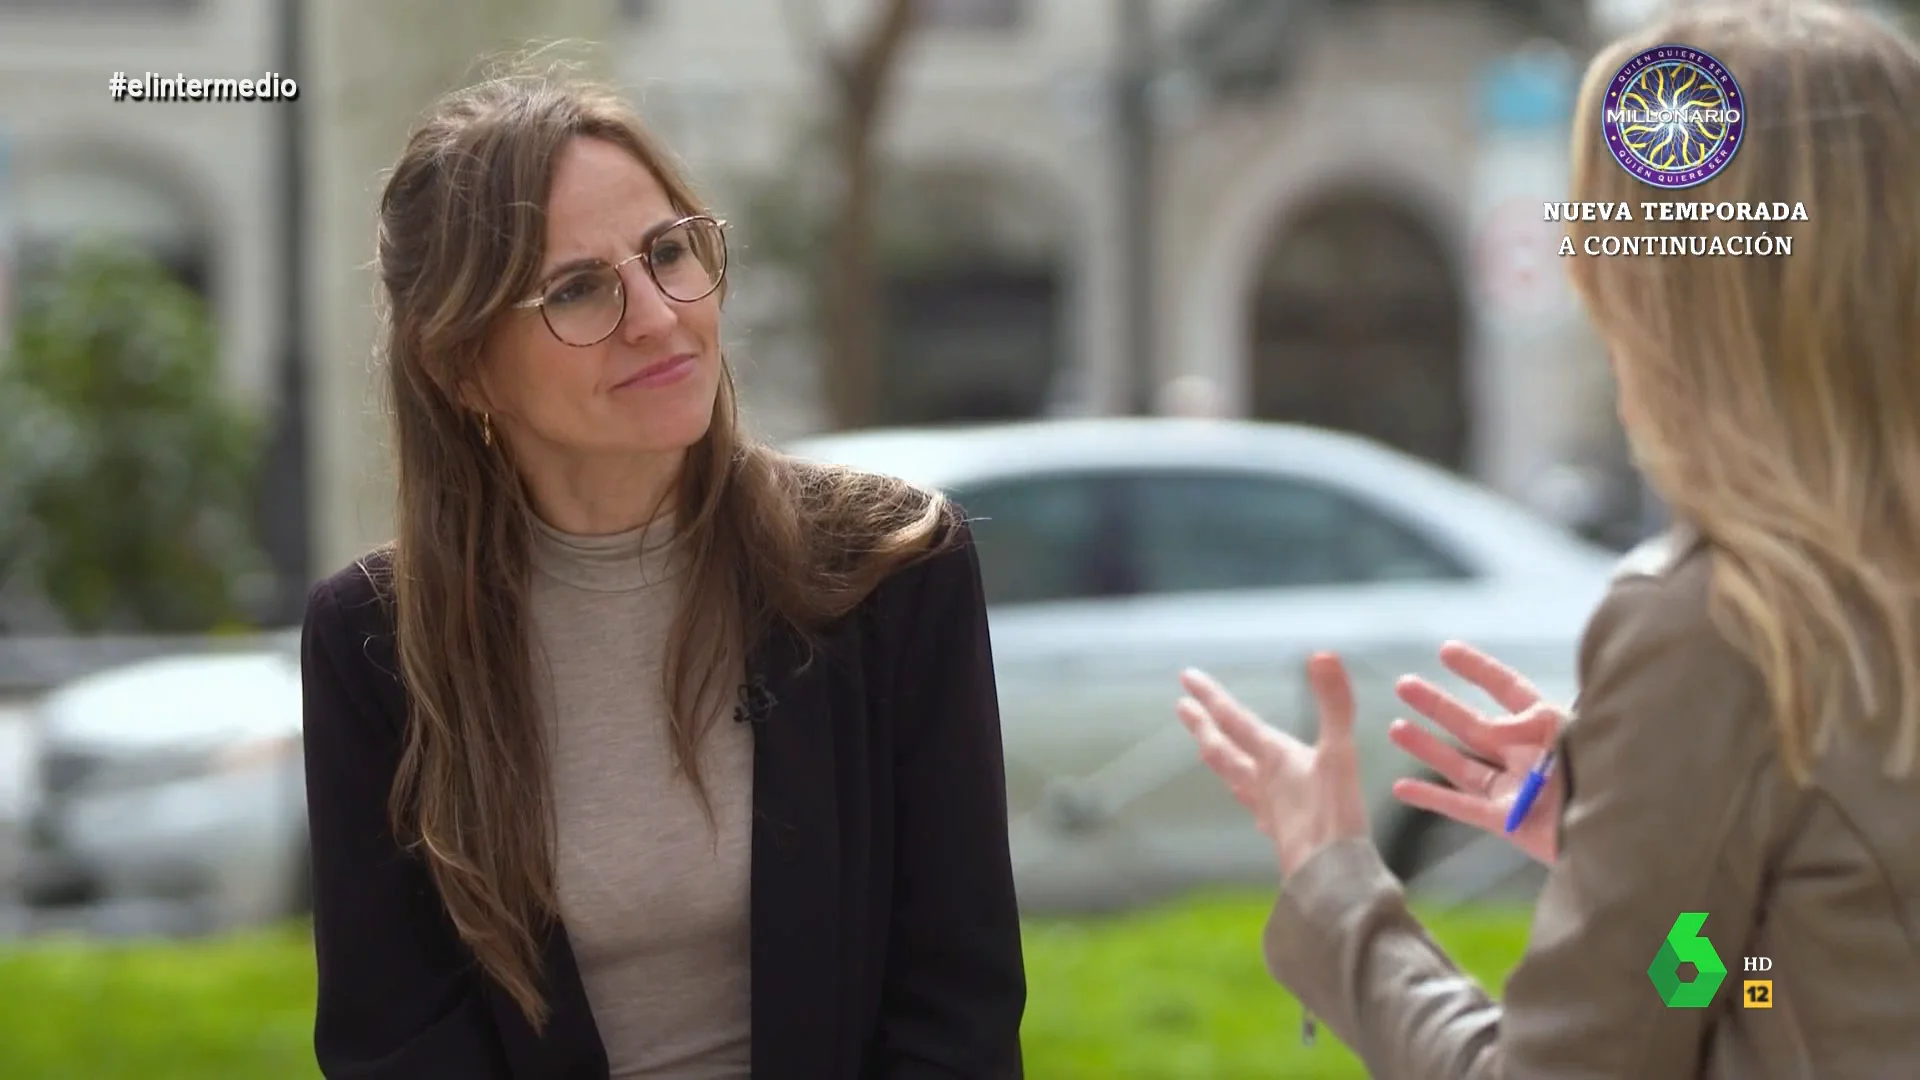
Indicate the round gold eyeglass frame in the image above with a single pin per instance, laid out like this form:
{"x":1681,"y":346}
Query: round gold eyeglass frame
{"x":645,"y":257}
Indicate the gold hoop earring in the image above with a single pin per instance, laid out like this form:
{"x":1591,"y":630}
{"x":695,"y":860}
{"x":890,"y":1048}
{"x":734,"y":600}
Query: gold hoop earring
{"x":486,"y":429}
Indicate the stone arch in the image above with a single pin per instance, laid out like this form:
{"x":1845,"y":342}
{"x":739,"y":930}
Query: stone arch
{"x":1358,"y":322}
{"x":1408,"y":163}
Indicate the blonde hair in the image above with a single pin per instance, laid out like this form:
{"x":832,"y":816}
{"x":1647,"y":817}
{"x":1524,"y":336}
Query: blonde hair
{"x":1774,"y":400}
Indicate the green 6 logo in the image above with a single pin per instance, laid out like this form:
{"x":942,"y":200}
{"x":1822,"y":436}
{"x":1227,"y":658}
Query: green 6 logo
{"x":1686,"y":945}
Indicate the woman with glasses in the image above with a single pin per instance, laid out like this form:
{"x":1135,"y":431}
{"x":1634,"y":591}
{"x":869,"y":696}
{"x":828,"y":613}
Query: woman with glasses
{"x":643,"y":750}
{"x":1729,"y":818}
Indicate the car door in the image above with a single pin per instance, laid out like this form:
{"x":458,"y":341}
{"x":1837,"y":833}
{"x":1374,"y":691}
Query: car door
{"x":1053,"y":572}
{"x":1244,"y":574}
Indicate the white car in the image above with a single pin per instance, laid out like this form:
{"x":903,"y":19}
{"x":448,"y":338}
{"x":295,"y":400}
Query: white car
{"x":172,"y":791}
{"x":1114,"y":552}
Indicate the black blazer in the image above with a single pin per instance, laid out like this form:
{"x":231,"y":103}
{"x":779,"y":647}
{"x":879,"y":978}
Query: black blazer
{"x":885,"y":935}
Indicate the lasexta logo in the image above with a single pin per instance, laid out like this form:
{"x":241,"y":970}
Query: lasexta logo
{"x":1686,"y":945}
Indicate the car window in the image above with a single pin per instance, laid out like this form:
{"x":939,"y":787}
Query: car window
{"x":1045,"y":537}
{"x":1195,"y":531}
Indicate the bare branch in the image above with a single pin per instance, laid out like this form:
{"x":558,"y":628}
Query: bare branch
{"x":877,"y":55}
{"x":859,"y":76}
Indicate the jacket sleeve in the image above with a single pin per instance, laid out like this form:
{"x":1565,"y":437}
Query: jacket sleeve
{"x":1670,"y":740}
{"x":396,"y":995}
{"x":955,"y":985}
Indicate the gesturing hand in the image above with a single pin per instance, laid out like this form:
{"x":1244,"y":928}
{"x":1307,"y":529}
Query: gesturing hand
{"x":1302,"y":797}
{"x":1500,"y":751}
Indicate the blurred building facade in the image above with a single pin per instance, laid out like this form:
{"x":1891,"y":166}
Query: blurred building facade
{"x":196,"y":184}
{"x":1319,"y":243}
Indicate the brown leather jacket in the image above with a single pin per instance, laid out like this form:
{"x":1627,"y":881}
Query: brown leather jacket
{"x":1677,"y":803}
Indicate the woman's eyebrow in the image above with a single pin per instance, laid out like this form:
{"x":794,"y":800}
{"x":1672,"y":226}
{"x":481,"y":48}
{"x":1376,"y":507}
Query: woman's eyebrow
{"x":647,"y":236}
{"x":571,"y":265}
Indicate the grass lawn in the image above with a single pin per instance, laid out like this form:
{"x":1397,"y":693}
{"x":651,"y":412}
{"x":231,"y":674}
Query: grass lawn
{"x":1171,"y":994}
{"x":1182,"y":992}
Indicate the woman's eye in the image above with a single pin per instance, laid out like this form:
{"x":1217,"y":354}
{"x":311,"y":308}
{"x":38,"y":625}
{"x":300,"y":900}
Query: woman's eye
{"x":574,"y":291}
{"x":668,"y":252}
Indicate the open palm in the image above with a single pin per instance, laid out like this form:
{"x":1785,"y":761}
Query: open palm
{"x":1486,"y":768}
{"x":1303,"y":797}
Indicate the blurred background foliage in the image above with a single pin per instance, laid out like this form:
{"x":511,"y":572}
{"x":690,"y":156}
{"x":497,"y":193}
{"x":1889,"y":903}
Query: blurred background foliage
{"x":127,"y":474}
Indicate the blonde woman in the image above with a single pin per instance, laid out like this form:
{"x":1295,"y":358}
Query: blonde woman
{"x":1745,"y":739}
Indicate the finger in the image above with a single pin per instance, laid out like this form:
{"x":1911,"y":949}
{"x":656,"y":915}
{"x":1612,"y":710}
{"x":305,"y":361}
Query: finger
{"x":1333,"y":692}
{"x":1541,"y":723}
{"x":1466,"y":809}
{"x":1454,"y":716}
{"x":1247,"y":732}
{"x":1483,"y":736}
{"x":1235,"y":769}
{"x":1503,"y":684}
{"x":1216,"y":752}
{"x":1464,"y":772}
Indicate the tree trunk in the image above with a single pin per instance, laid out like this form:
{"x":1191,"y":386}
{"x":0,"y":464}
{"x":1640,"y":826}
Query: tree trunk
{"x":850,"y":338}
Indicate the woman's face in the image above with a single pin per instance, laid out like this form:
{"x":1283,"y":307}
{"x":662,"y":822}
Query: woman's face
{"x":649,"y":387}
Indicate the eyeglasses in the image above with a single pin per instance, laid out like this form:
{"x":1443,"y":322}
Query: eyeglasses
{"x":686,"y":260}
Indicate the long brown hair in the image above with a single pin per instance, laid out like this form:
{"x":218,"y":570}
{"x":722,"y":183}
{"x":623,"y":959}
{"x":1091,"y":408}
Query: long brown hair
{"x":768,"y":540}
{"x":1775,"y":396}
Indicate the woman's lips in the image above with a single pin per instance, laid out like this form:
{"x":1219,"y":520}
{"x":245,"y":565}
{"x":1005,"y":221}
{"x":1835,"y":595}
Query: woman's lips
{"x":664,"y":373}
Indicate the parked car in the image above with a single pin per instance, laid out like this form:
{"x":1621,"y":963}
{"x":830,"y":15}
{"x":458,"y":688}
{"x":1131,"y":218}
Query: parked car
{"x":175,"y":784}
{"x":1113,"y":552}
{"x":1116,"y":551}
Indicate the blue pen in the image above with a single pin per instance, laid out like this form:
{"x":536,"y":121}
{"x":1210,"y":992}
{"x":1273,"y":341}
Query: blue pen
{"x":1529,"y":791}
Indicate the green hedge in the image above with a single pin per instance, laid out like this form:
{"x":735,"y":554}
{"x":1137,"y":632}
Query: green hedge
{"x":1171,"y":994}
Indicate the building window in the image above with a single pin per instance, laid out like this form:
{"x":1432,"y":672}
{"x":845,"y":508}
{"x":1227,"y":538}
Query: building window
{"x":972,"y":14}
{"x":970,"y":343}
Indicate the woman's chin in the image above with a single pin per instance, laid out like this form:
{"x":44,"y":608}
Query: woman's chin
{"x":670,"y":422}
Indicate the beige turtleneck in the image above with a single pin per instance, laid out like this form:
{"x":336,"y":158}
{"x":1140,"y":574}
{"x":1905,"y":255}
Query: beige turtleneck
{"x":654,"y":900}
